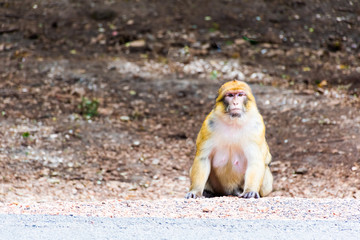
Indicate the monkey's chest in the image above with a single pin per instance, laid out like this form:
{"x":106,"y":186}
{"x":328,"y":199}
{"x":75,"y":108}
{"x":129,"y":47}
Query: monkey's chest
{"x":228,"y":168}
{"x":231,"y":161}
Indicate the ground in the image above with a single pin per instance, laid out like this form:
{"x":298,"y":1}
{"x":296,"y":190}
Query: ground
{"x":104,"y":99}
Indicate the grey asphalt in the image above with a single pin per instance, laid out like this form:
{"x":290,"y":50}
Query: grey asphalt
{"x":74,"y":227}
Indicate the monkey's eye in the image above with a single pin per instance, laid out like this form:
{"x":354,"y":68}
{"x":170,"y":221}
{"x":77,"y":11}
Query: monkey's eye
{"x":229,"y":95}
{"x":240,"y":94}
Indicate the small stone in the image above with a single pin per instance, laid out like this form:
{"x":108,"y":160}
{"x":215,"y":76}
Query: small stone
{"x":240,"y":41}
{"x":301,"y":170}
{"x":132,"y":188}
{"x":125,"y":118}
{"x":182,"y":178}
{"x":206,"y":209}
{"x":54,"y":181}
{"x":141,"y":43}
{"x":155,"y":161}
{"x":53,"y":136}
{"x":136,"y":143}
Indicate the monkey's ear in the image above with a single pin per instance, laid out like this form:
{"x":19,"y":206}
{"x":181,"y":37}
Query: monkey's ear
{"x":219,"y":98}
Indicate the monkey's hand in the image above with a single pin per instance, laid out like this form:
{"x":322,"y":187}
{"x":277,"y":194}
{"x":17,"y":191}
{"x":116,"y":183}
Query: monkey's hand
{"x":191,"y":195}
{"x":250,"y":195}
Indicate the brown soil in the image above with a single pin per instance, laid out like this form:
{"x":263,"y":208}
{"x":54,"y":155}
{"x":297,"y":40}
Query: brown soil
{"x":154,"y":68}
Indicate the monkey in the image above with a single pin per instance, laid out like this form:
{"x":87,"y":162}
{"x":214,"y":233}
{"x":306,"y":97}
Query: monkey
{"x":232,"y":156}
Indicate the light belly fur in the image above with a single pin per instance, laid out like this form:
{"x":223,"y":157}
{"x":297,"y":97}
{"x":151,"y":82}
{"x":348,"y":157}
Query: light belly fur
{"x":230,"y":164}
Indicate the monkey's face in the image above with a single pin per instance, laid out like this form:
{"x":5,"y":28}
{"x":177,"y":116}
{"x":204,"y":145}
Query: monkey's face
{"x":235,"y":99}
{"x":235,"y":102}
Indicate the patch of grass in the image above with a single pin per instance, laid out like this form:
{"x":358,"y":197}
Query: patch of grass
{"x":89,"y":108}
{"x":214,"y":74}
{"x":25,"y":135}
{"x":251,"y":41}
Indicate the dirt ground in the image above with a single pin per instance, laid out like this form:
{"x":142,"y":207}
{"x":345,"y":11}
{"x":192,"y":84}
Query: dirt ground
{"x":153,"y":69}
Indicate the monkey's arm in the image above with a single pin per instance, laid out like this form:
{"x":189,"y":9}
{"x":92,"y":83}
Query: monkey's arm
{"x":199,"y":175}
{"x":254,"y":174}
{"x":200,"y":170}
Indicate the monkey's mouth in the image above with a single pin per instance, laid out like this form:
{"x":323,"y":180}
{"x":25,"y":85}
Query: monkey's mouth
{"x":235,"y":115}
{"x":236,"y":112}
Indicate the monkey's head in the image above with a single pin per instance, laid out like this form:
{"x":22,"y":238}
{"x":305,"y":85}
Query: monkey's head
{"x":234,"y":99}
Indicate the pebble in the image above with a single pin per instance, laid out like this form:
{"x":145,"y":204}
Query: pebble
{"x":301,"y":170}
{"x":125,"y":118}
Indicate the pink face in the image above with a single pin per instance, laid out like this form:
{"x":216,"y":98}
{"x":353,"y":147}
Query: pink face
{"x":235,"y":102}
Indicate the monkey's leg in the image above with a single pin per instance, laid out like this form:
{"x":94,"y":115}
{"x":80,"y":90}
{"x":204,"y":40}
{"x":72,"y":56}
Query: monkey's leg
{"x":267,"y":184}
{"x":199,"y":175}
{"x":253,"y":179}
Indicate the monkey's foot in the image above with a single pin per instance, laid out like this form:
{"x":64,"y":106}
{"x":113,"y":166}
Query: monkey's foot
{"x":190,"y":195}
{"x":250,"y":195}
{"x":209,"y":194}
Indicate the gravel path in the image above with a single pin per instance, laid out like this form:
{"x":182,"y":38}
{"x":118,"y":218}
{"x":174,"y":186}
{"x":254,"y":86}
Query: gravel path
{"x":216,"y":218}
{"x":215,"y":208}
{"x":75,"y":227}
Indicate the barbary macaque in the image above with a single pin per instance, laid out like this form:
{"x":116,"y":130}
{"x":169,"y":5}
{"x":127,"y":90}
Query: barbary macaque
{"x":232,"y":155}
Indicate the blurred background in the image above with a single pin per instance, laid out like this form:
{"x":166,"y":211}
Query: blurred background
{"x":104,"y":99}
